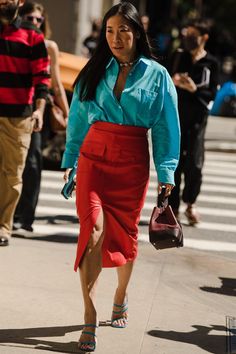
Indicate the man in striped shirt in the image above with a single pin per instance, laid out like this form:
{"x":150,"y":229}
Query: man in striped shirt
{"x":23,"y":77}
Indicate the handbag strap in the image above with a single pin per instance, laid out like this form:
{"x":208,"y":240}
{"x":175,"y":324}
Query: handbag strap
{"x":162,"y":200}
{"x":50,"y":100}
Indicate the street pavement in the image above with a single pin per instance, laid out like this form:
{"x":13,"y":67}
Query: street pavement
{"x":178,"y":299}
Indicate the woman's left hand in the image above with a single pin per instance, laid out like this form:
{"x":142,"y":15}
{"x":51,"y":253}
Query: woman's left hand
{"x":168,"y":187}
{"x":38,"y":120}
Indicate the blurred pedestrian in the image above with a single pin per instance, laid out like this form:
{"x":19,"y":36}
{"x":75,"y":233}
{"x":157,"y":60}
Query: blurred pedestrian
{"x":195,"y":75}
{"x":225,"y":100}
{"x":23,"y":75}
{"x":34,"y":15}
{"x":120,"y":94}
{"x":146,"y":22}
{"x":91,"y":41}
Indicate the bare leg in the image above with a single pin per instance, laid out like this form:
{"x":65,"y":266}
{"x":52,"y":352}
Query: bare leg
{"x":90,"y":268}
{"x":124,"y":274}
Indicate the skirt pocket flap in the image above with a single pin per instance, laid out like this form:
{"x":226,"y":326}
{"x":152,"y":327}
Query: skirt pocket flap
{"x":93,"y":148}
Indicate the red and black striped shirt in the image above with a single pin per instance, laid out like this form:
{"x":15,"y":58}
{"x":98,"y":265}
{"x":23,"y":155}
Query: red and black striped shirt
{"x":23,"y":68}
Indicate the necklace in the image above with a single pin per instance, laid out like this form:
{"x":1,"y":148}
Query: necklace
{"x":127,"y":63}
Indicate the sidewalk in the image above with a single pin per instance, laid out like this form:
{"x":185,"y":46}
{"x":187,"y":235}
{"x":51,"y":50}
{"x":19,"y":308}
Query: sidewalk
{"x":177,"y":304}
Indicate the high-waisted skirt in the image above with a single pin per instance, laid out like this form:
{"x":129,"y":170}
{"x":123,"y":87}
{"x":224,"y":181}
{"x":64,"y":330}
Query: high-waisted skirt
{"x":112,"y":177}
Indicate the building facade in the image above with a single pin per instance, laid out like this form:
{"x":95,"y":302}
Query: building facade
{"x":71,"y":20}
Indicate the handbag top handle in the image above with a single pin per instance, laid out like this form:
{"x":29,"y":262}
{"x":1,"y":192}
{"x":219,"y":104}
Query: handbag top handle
{"x":162,"y":200}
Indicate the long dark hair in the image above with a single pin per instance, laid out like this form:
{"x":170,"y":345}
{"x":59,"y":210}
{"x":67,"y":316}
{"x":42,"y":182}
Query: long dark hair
{"x":93,"y":71}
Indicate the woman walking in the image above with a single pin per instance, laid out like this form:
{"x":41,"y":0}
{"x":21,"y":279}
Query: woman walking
{"x":120,"y":94}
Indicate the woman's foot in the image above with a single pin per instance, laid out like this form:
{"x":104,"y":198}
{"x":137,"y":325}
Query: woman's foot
{"x":119,"y":317}
{"x":88,"y":338}
{"x":192,"y":215}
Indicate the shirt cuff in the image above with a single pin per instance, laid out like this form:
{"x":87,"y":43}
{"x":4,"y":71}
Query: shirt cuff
{"x":166,"y":176}
{"x":68,"y":160}
{"x":41,"y":91}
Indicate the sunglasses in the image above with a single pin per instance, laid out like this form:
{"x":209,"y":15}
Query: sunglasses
{"x":32,"y":18}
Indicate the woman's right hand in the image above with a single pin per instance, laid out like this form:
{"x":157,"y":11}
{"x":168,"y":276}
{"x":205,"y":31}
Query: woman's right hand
{"x":66,"y":174}
{"x":66,"y":177}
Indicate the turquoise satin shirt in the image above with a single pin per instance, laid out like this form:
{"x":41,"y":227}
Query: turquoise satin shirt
{"x":148,"y":100}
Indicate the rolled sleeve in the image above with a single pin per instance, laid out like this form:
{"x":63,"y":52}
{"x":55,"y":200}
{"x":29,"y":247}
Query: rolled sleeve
{"x":166,"y":134}
{"x":76,"y":130}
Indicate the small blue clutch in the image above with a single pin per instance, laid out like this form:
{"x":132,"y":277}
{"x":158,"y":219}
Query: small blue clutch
{"x":69,"y":186}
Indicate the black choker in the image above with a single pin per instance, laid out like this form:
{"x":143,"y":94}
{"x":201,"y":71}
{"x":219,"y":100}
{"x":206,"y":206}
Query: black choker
{"x":130,"y":63}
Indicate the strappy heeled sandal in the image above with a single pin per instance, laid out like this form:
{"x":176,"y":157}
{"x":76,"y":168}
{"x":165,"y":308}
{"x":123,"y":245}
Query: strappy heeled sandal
{"x":124,"y":319}
{"x":88,"y":346}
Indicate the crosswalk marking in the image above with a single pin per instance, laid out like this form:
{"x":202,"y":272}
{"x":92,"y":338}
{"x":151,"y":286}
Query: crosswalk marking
{"x":40,"y":229}
{"x":206,"y":188}
{"x":211,"y":212}
{"x":210,"y":187}
{"x":215,"y":203}
{"x":211,"y":170}
{"x":202,"y":244}
{"x":206,"y":198}
{"x":210,"y":245}
{"x":219,"y":180}
{"x":212,"y":156}
{"x":218,"y":171}
{"x":47,"y":210}
{"x":223,"y":164}
{"x":215,"y":168}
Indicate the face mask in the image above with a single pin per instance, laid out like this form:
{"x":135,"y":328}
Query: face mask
{"x":8,"y":12}
{"x":190,"y":43}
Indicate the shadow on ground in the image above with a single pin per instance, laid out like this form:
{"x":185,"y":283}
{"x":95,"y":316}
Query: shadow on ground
{"x":58,"y":237}
{"x":29,"y":338}
{"x":34,"y":338}
{"x":58,"y":219}
{"x":228,"y":287}
{"x":200,"y":337}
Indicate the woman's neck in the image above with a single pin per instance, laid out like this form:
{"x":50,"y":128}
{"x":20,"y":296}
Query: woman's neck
{"x":128,"y":60}
{"x":198,"y":54}
{"x":127,"y":63}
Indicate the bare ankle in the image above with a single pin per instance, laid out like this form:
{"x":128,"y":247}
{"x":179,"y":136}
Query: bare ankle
{"x":90,"y":316}
{"x":120,"y":296}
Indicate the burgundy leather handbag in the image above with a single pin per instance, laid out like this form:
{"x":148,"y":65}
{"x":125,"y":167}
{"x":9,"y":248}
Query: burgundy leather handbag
{"x":164,"y":229}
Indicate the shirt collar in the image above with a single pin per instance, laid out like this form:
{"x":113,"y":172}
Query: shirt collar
{"x":110,"y":61}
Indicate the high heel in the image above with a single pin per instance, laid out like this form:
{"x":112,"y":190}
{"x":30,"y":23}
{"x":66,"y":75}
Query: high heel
{"x":123,"y":318}
{"x":88,"y":346}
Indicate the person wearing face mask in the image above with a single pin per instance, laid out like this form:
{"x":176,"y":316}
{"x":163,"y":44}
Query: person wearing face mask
{"x":23,"y":75}
{"x":195,"y":73}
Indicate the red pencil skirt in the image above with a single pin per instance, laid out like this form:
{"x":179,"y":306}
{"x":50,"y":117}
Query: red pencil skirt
{"x":113,"y":175}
